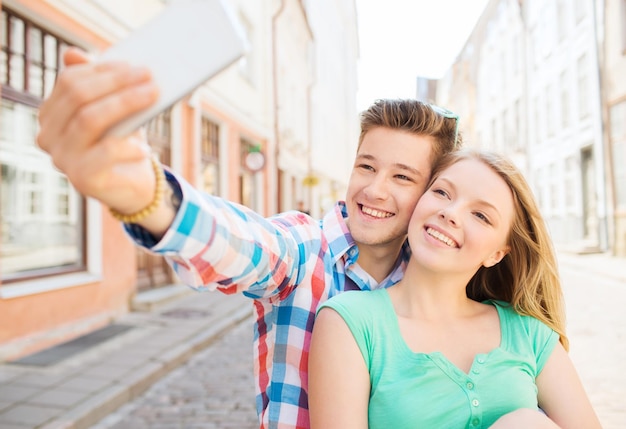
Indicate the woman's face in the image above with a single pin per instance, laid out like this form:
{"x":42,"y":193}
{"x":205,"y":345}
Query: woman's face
{"x":463,"y":220}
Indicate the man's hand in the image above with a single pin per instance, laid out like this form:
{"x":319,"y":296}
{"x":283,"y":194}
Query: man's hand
{"x":87,"y":99}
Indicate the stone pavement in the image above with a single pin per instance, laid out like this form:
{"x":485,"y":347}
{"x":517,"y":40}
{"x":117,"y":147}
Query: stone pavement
{"x":81,"y":390}
{"x":213,"y":390}
{"x":85,"y":391}
{"x":595,"y":295}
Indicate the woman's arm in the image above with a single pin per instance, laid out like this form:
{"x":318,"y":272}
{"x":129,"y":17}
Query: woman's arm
{"x":524,"y":418}
{"x":339,"y":383}
{"x":562,"y":395}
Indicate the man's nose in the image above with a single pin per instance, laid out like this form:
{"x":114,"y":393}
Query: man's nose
{"x":377,"y":188}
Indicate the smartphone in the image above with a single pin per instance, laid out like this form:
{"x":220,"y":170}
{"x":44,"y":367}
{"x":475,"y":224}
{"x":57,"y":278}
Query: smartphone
{"x":183,"y":46}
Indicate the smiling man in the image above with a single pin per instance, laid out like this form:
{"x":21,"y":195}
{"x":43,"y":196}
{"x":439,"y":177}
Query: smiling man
{"x":287,"y":264}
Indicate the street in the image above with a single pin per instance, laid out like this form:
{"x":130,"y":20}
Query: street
{"x":215,"y":388}
{"x":596,"y":328}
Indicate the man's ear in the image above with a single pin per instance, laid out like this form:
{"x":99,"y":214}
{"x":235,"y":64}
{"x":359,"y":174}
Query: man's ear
{"x":496,"y":257}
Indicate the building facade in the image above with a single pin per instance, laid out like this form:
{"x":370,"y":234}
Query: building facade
{"x":66,"y":267}
{"x":531,"y":69}
{"x":612,"y":18}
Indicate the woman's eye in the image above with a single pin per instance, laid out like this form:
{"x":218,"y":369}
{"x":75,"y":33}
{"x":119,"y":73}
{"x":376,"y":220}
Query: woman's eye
{"x":482,"y":217}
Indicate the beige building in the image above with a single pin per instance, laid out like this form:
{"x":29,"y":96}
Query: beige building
{"x":66,"y":267}
{"x":613,"y":51}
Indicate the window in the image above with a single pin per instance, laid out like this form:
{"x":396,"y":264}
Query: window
{"x":42,"y":217}
{"x":494,"y":134}
{"x":617,"y":116}
{"x":550,"y":110}
{"x":246,"y":62}
{"x":623,"y":25}
{"x":571,"y":167}
{"x":554,"y":188}
{"x":210,"y":155}
{"x":159,"y":134}
{"x":537,"y":119}
{"x":583,"y":86}
{"x":540,"y":190}
{"x":247,"y":179}
{"x":517,"y":138}
{"x":29,"y":60}
{"x":579,"y":9}
{"x":562,"y":20}
{"x":565,"y":100}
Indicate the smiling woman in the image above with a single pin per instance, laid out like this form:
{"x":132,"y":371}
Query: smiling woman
{"x":472,"y":334}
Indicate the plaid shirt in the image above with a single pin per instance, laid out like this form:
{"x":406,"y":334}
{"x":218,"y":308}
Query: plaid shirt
{"x":288,"y":264}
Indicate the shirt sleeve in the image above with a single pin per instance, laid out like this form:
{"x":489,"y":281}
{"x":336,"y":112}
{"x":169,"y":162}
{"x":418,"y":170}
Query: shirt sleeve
{"x":543,"y":340}
{"x":546,"y":347}
{"x":216,"y":244}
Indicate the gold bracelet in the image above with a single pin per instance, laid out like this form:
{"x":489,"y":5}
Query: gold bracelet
{"x":156,"y":201}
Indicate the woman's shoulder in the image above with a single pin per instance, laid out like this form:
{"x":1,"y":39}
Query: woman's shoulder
{"x":519,"y":328}
{"x":356,"y":298}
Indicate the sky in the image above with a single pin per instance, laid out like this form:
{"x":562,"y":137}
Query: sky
{"x":402,"y":39}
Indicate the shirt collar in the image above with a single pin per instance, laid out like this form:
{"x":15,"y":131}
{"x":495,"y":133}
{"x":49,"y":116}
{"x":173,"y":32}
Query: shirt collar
{"x":335,"y":229}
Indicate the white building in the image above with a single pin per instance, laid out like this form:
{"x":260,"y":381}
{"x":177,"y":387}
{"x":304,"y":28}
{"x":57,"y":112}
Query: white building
{"x":534,"y":78}
{"x":334,"y":122}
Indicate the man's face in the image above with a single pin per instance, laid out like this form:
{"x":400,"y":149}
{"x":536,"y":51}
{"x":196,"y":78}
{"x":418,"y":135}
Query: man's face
{"x":390,"y":173}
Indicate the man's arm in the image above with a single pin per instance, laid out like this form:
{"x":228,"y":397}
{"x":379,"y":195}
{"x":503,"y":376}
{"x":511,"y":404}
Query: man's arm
{"x":221,"y":249}
{"x":85,"y":102}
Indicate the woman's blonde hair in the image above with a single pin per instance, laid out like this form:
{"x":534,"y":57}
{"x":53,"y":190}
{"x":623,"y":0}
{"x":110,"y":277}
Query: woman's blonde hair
{"x":527,"y":277}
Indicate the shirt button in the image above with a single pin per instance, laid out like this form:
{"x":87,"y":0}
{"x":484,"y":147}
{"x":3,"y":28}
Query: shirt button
{"x":475,"y":402}
{"x":475,"y":422}
{"x":481,"y":360}
{"x":470,"y":385}
{"x":476,"y":371}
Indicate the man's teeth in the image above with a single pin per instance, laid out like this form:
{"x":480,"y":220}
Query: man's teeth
{"x":439,"y":236}
{"x":376,"y":213}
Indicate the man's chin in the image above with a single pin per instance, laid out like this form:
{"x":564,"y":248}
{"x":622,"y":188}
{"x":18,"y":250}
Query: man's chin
{"x":375,"y":240}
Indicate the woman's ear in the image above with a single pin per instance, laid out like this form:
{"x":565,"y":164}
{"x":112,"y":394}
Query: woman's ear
{"x":496,"y":257}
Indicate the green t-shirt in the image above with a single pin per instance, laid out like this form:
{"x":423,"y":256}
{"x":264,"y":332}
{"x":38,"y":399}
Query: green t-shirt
{"x":425,"y":390}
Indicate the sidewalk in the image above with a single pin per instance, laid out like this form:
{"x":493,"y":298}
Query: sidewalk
{"x":80,"y":390}
{"x":601,"y":264}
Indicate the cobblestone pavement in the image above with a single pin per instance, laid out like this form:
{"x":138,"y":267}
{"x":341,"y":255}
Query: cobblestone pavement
{"x":213,"y":390}
{"x":596,"y":312}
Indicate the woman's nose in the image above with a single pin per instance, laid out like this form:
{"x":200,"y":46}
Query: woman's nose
{"x":448,"y":214}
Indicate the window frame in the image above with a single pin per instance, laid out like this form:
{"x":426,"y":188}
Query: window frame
{"x":11,"y":283}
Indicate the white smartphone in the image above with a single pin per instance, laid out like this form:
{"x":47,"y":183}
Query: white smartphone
{"x":183,"y":46}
